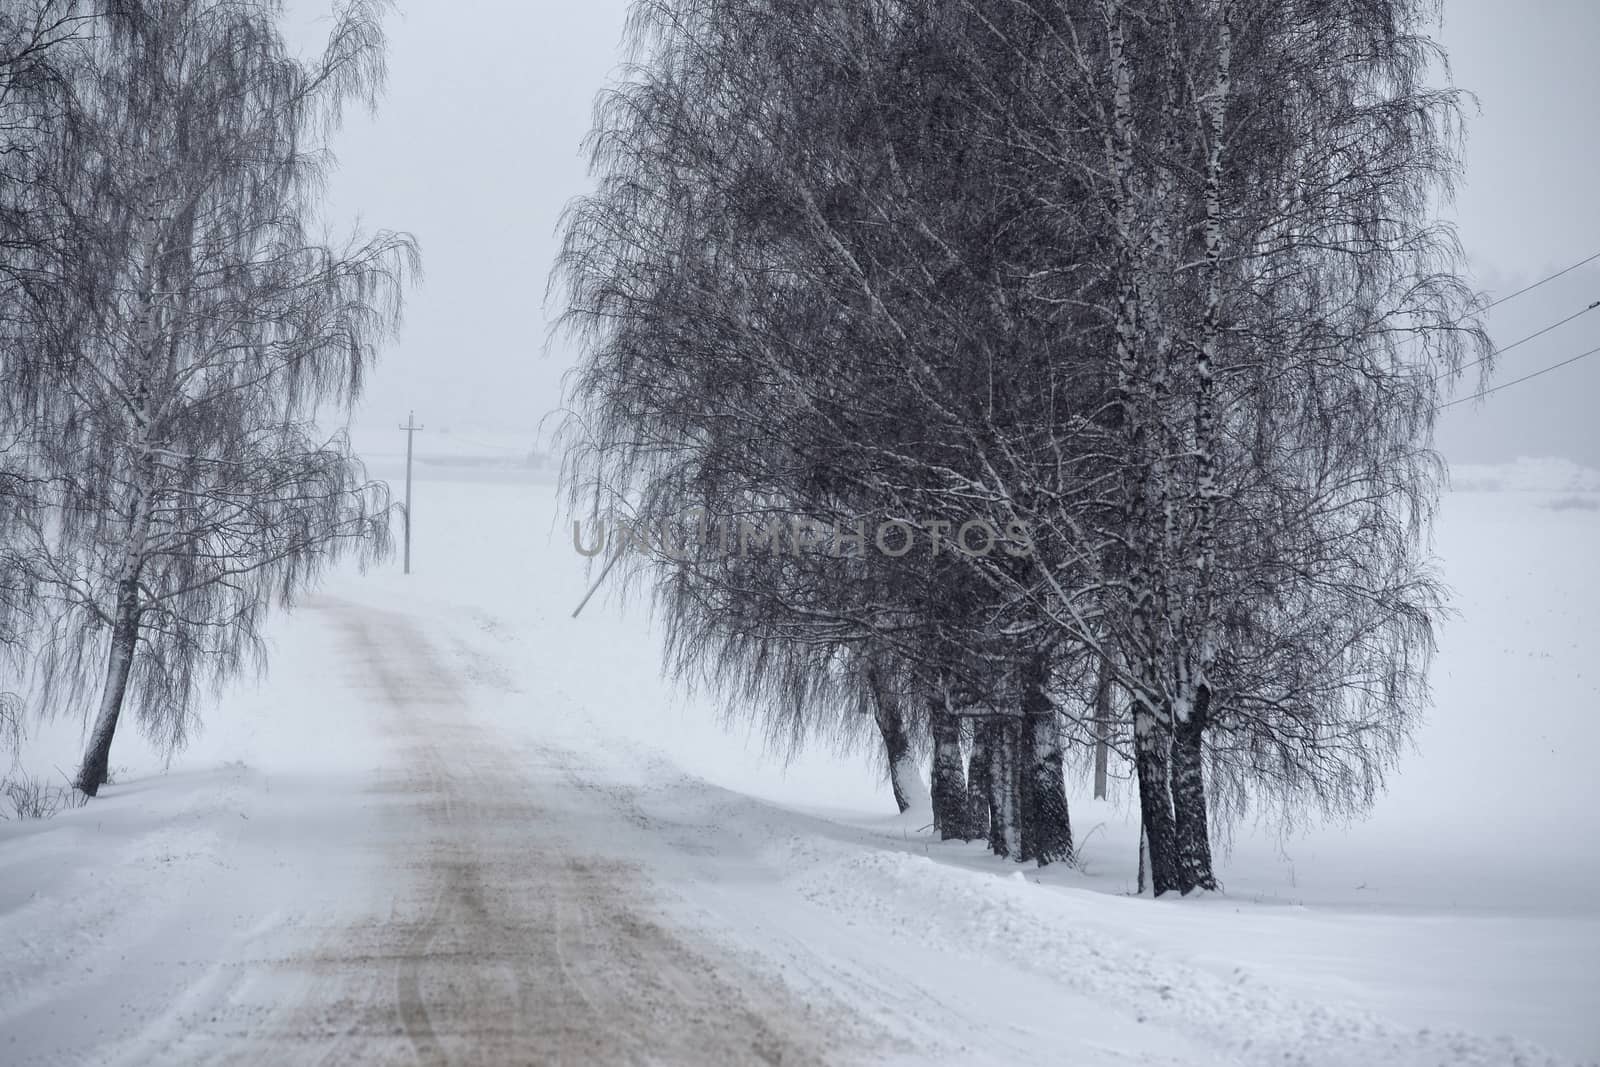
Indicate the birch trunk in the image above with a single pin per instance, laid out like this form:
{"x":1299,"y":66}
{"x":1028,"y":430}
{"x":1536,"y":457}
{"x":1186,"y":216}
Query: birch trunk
{"x":1144,"y":861}
{"x":96,"y":766}
{"x":949,"y":776}
{"x":980,"y":772}
{"x":1152,"y":761}
{"x":1189,"y":798}
{"x":1193,"y":713}
{"x":1052,"y":841}
{"x":1005,"y":832}
{"x":903,"y":776}
{"x":1022,"y":770}
{"x":1046,"y":827}
{"x":1151,"y":736}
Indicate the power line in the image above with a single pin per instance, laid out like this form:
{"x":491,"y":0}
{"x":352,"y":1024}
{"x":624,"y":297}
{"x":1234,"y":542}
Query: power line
{"x":1519,"y":381}
{"x":1512,"y":296}
{"x":1542,"y":281}
{"x":1519,"y":343}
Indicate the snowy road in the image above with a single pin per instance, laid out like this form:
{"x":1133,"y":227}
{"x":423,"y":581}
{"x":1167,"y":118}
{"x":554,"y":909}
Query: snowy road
{"x":512,"y":944}
{"x":478,"y":929}
{"x":505,"y":941}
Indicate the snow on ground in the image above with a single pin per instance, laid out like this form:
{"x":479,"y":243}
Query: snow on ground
{"x":454,"y":819}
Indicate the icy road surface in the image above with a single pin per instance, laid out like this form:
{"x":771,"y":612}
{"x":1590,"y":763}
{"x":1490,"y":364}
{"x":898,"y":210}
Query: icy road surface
{"x":456,"y":826}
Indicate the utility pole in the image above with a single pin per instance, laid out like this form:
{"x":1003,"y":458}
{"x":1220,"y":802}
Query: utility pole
{"x":411,"y":429}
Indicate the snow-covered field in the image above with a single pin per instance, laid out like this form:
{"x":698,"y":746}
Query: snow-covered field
{"x":455,"y":824}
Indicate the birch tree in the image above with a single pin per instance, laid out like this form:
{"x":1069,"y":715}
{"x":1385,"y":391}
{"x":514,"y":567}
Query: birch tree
{"x":1280,"y":303}
{"x":188,"y":486}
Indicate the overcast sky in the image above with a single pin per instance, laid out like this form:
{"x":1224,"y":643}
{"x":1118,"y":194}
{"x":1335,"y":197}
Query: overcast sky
{"x":477,"y":148}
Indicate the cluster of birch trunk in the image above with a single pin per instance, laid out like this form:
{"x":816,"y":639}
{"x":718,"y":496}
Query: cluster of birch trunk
{"x":1154,"y":287}
{"x":174,"y":325}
